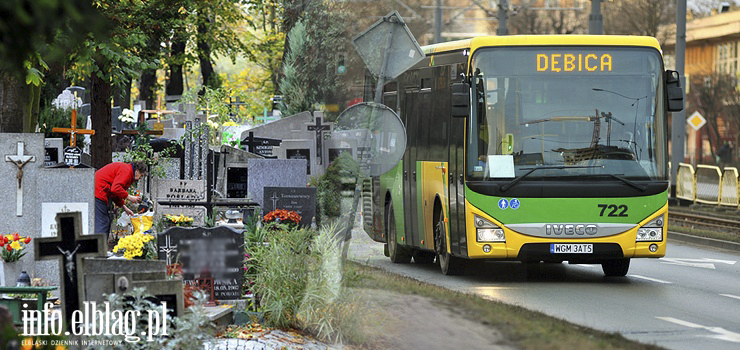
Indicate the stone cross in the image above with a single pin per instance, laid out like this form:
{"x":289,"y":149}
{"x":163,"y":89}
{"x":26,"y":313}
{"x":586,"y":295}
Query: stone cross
{"x":73,"y":131}
{"x":70,"y":246}
{"x":168,"y":248}
{"x":319,"y":128}
{"x":274,"y":201}
{"x":20,"y":160}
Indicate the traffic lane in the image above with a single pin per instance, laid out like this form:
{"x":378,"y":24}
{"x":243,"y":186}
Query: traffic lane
{"x":638,"y":307}
{"x":710,"y":269}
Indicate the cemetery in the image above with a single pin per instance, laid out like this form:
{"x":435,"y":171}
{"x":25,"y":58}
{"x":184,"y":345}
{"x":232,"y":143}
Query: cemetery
{"x":200,"y":238}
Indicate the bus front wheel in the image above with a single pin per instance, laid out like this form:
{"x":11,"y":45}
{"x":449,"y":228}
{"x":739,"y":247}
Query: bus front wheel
{"x":398,"y":254}
{"x":450,"y":265}
{"x":616,"y":267}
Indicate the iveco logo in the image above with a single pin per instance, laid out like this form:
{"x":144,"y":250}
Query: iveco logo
{"x":570,"y":229}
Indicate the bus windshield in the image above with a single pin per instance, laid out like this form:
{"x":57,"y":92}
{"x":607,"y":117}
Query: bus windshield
{"x":567,"y":111}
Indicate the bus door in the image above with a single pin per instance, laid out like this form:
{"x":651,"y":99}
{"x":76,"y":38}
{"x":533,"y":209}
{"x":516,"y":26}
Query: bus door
{"x":411,"y":111}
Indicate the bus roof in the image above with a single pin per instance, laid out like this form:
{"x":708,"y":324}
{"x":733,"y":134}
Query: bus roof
{"x":542,"y":40}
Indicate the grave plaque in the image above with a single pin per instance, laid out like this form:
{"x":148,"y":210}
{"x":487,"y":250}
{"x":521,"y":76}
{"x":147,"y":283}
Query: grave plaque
{"x":260,"y":145}
{"x":301,"y":200}
{"x":49,"y":213}
{"x":53,"y":148}
{"x":197,"y":212}
{"x":179,"y":190}
{"x":72,"y":156}
{"x":236,"y":183}
{"x":301,"y":153}
{"x":216,"y":253}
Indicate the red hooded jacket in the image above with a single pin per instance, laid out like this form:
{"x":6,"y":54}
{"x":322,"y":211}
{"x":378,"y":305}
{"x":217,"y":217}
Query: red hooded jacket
{"x":112,"y":182}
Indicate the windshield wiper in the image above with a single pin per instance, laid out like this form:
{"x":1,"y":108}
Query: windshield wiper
{"x":640,"y":187}
{"x":508,"y":185}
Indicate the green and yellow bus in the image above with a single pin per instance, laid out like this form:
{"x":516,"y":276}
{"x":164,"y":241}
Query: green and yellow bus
{"x":529,"y":148}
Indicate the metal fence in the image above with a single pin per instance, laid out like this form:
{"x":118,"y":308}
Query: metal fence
{"x":708,"y":184}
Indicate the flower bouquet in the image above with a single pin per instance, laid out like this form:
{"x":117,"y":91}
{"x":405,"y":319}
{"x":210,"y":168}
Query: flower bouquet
{"x":282,"y":216}
{"x":12,"y":246}
{"x":127,"y":116}
{"x":174,"y":220}
{"x":137,"y":245}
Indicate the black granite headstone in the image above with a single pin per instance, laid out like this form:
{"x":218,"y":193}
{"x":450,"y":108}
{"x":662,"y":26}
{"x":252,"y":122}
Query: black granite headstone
{"x":206,"y":252}
{"x":301,"y":200}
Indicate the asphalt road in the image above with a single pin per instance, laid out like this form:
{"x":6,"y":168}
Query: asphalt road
{"x":688,"y":300}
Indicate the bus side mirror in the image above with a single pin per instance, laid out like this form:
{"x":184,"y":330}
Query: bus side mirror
{"x":460,"y":100}
{"x":674,"y":92}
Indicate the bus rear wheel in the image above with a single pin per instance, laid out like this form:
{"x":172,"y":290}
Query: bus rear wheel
{"x":616,"y":267}
{"x":450,"y":265}
{"x":398,"y":254}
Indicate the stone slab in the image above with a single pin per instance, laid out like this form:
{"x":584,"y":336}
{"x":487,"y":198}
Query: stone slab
{"x":274,"y":173}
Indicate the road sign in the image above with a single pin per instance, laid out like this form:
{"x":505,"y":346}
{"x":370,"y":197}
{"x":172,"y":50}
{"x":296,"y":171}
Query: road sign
{"x":696,"y":120}
{"x":402,"y":49}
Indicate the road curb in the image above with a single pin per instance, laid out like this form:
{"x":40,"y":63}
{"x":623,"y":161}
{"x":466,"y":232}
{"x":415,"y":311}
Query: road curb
{"x":711,"y":242}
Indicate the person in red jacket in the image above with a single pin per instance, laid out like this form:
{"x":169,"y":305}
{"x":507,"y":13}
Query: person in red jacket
{"x":111,"y":187}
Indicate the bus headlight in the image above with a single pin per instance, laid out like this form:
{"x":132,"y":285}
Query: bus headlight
{"x":649,"y":234}
{"x":652,"y":231}
{"x":486,"y":231}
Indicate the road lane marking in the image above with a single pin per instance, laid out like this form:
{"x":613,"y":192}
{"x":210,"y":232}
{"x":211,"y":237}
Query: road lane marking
{"x":701,"y":263}
{"x":651,"y":279}
{"x":721,"y":333}
{"x":730,"y":296}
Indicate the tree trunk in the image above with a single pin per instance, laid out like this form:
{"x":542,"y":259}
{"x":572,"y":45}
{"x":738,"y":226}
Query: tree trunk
{"x":146,"y":87}
{"x":11,"y":103}
{"x":101,"y":114}
{"x":122,"y":96}
{"x":175,"y":85}
{"x":210,"y":79}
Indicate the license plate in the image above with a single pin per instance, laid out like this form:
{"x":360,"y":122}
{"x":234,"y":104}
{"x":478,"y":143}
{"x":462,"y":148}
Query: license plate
{"x":571,"y":248}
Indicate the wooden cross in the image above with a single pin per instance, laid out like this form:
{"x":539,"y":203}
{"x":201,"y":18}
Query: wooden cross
{"x":73,"y":131}
{"x":69,"y":247}
{"x":319,"y":128}
{"x":20,"y":160}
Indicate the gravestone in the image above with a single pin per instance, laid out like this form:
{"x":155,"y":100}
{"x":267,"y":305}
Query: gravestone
{"x":107,"y":276}
{"x":231,"y":171}
{"x":301,"y":200}
{"x":41,"y":186}
{"x":260,"y":145}
{"x":197,"y":212}
{"x":217,"y":253}
{"x":299,"y":153}
{"x":181,"y":192}
{"x":334,"y":153}
{"x":53,"y":148}
{"x":68,"y":248}
{"x":274,"y":173}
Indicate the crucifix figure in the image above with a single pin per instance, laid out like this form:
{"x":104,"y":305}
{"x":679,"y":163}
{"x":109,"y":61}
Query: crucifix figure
{"x":69,"y":247}
{"x":20,"y":160}
{"x":69,"y":257}
{"x":319,"y":128}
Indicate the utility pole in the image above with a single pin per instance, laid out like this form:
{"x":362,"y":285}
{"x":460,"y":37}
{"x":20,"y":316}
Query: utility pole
{"x":679,"y":118}
{"x":503,"y":14}
{"x":595,"y":20}
{"x":438,"y":22}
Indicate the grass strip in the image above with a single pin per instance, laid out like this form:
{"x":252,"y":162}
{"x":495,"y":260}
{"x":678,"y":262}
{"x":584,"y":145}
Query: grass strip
{"x":524,"y":328}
